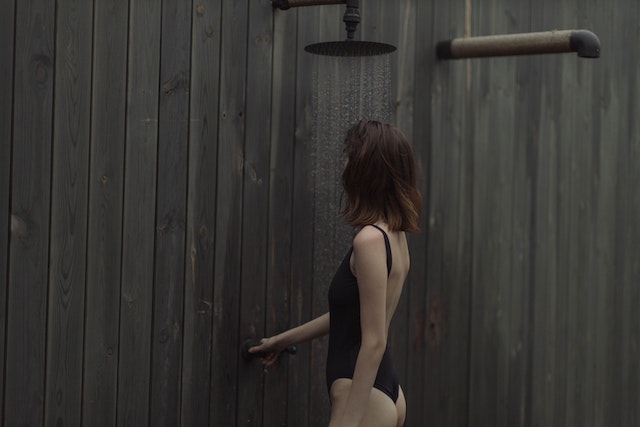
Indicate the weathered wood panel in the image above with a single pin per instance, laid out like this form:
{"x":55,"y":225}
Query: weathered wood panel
{"x":302,"y":235}
{"x":104,"y":242}
{"x":7,"y":34}
{"x":200,"y":255}
{"x":228,"y":249}
{"x":163,"y":207}
{"x":449,"y":227}
{"x":30,"y":199}
{"x":301,"y":222}
{"x":416,"y":286}
{"x":138,"y":222}
{"x":171,"y":205}
{"x":255,"y":209}
{"x":279,"y":297}
{"x":69,"y":208}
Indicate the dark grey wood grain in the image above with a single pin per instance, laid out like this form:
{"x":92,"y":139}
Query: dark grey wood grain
{"x":622,"y":92}
{"x":171,"y":205}
{"x":416,"y":285}
{"x":450,"y":230}
{"x":69,"y":208}
{"x":7,"y":33}
{"x":139,"y":203}
{"x":302,"y":235}
{"x":104,"y":242}
{"x":228,"y":228}
{"x":255,"y":209}
{"x":492,"y":237}
{"x":201,"y":208}
{"x":30,"y":199}
{"x":158,"y":205}
{"x":279,"y":298}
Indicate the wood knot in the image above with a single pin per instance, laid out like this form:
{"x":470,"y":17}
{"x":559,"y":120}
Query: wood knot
{"x":437,"y":321}
{"x":19,"y":227}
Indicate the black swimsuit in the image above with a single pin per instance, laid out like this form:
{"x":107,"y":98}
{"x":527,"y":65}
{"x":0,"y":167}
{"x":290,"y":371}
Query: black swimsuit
{"x":345,"y":334}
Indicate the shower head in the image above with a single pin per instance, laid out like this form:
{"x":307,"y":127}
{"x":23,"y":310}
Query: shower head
{"x":351,"y":19}
{"x":350,"y":48}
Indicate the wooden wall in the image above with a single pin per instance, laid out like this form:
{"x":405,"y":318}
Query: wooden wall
{"x":157,"y":209}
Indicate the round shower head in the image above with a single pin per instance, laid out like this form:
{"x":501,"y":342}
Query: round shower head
{"x":350,"y":48}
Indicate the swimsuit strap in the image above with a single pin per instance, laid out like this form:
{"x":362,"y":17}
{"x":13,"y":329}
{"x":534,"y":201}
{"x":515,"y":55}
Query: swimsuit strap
{"x":388,"y":246}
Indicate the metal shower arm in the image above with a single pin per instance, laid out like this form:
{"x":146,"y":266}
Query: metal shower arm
{"x":351,"y":17}
{"x":286,"y":4}
{"x":584,"y":42}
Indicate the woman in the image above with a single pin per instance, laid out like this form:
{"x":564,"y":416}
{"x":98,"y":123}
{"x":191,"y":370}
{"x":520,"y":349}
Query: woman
{"x":383,"y":202}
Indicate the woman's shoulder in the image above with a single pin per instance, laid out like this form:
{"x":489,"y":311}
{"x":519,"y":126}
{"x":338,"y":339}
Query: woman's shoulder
{"x":368,"y":235}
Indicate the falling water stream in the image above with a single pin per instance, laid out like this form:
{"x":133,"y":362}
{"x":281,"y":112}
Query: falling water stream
{"x":346,"y":89}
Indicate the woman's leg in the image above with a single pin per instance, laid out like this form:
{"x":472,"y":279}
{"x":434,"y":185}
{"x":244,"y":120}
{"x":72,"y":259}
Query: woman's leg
{"x":381,"y":411}
{"x":401,"y":408}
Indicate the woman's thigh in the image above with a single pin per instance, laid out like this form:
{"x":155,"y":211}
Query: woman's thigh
{"x":380,"y":412}
{"x":401,"y":407}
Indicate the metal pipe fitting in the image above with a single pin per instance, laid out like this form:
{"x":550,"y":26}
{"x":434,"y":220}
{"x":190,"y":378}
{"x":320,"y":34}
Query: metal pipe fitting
{"x":351,"y":17}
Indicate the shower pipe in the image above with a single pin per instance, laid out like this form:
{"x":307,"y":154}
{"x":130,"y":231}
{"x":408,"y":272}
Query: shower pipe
{"x":351,"y":15}
{"x":286,"y":4}
{"x":584,"y":42}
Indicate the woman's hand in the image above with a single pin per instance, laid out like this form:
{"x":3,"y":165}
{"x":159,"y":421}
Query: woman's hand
{"x":269,"y":350}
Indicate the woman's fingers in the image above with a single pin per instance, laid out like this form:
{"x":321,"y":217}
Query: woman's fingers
{"x":258,"y":348}
{"x":269,"y":353}
{"x":270,"y":359}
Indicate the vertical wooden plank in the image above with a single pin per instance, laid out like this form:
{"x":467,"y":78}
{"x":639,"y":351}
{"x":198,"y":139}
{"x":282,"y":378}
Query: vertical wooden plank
{"x":105,"y":212}
{"x":302,"y":279}
{"x":492,"y":218}
{"x":416,"y":286}
{"x":7,"y":33}
{"x":628,"y":232}
{"x":449,"y":221}
{"x":255,"y":209}
{"x":227,"y":267}
{"x":577,"y":160}
{"x":626,"y":326}
{"x":67,"y":259}
{"x":278,"y":302}
{"x":429,"y":132}
{"x":566,"y":298}
{"x":171,"y":200}
{"x":523,"y":232}
{"x":30,"y":199}
{"x":549,"y":367}
{"x":201,"y":207}
{"x":544,"y":222}
{"x":607,"y":98}
{"x":138,"y":231}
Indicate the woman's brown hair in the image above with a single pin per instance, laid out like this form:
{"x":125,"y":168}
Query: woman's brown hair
{"x":379,"y":178}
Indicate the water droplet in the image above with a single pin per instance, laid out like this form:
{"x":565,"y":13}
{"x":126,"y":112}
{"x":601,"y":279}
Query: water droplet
{"x":346,"y":89}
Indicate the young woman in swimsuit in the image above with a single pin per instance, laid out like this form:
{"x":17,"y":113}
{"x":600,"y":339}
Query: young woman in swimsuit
{"x":382,"y":202}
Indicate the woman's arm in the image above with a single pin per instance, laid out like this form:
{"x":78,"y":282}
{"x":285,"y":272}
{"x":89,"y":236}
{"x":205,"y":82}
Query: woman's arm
{"x":369,"y":256}
{"x":307,"y":331}
{"x":273,"y":346}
